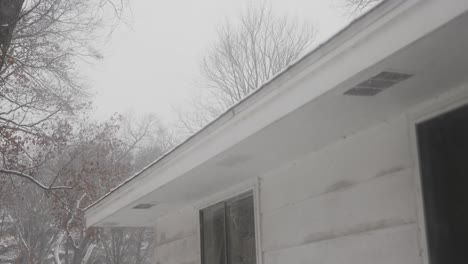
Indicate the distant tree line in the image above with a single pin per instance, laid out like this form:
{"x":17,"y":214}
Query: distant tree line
{"x":54,"y":160}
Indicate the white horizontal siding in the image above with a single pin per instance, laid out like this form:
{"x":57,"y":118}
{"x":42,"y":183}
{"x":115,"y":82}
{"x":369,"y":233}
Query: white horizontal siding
{"x":176,"y":226}
{"x":377,"y":151}
{"x":374,"y":204}
{"x":182,"y":251}
{"x":176,"y":238}
{"x":384,"y":246}
{"x":352,"y":202}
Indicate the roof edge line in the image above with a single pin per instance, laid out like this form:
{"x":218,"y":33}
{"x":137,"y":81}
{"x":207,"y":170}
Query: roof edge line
{"x":364,"y":21}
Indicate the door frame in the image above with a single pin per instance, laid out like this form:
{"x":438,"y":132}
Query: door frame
{"x":425,"y":111}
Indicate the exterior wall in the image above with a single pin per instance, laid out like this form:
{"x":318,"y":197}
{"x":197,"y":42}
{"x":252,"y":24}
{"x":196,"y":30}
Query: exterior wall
{"x":177,"y":239}
{"x":355,"y":201}
{"x":352,"y":202}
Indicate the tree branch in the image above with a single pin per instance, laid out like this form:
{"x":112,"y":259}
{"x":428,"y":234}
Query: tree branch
{"x":33,"y":180}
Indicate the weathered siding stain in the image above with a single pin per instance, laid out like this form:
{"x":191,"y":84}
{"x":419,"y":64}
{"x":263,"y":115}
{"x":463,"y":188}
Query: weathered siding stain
{"x":390,"y":171}
{"x":355,"y":230}
{"x":340,"y":185}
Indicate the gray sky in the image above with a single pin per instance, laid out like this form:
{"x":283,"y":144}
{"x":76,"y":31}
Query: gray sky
{"x":153,"y":66}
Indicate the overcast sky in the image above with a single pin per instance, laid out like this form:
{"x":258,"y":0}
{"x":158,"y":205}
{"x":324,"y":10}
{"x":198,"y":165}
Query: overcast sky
{"x":152,"y":66}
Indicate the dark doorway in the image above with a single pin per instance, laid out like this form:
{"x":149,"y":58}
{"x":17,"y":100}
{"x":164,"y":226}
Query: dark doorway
{"x":443,"y":152}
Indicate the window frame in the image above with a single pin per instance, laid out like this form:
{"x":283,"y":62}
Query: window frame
{"x":425,"y":111}
{"x":252,"y":186}
{"x":451,"y":110}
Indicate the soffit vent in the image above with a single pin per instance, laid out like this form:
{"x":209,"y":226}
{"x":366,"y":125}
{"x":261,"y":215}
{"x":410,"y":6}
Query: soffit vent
{"x":143,"y":206}
{"x":378,"y":83}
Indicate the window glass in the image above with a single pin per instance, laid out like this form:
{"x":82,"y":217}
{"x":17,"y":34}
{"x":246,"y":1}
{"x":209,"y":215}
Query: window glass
{"x":213,"y":234}
{"x":228,"y":232}
{"x":240,"y":226}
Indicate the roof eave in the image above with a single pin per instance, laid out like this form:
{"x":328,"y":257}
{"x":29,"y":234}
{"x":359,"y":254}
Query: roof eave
{"x":278,"y":85}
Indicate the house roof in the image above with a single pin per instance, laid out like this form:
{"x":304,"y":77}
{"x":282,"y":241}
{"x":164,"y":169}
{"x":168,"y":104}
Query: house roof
{"x":229,"y":111}
{"x":305,"y":98}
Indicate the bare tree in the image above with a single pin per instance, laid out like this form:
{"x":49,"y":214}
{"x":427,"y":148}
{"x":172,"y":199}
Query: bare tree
{"x":44,"y":227}
{"x":126,"y":245}
{"x":146,"y":139}
{"x":246,"y":54}
{"x":41,"y":44}
{"x":46,"y":139}
{"x":28,"y":231}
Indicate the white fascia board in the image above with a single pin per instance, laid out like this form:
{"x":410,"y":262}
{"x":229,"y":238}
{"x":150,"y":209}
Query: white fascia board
{"x":390,"y":27}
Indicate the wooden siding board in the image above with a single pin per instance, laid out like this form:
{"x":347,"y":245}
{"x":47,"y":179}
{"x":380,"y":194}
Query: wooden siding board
{"x":182,"y":251}
{"x":385,"y":246}
{"x":374,"y":152}
{"x":378,"y":203}
{"x":176,"y":226}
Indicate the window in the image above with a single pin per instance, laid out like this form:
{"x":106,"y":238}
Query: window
{"x":443,"y":149}
{"x":228,"y":232}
